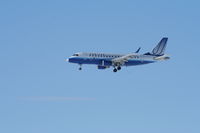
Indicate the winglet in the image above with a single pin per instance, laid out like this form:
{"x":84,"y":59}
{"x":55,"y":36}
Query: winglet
{"x":138,"y":50}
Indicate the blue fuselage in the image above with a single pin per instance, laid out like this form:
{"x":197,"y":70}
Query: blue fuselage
{"x":106,"y":61}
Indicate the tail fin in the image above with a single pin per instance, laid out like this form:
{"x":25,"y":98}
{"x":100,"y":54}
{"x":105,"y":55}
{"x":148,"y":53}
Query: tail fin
{"x":160,"y":48}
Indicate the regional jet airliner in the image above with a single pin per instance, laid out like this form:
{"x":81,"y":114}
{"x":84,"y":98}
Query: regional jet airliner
{"x":103,"y":60}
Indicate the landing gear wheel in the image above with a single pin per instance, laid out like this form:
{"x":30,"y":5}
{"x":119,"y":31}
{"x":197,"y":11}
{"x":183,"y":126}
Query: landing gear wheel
{"x":119,"y":68}
{"x":115,"y":70}
{"x":80,"y":68}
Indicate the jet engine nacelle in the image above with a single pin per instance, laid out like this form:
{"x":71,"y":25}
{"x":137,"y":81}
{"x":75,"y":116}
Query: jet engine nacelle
{"x":101,"y":67}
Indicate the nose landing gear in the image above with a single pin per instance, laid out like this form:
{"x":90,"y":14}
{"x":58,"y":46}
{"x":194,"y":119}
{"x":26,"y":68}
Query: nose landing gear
{"x":80,"y":68}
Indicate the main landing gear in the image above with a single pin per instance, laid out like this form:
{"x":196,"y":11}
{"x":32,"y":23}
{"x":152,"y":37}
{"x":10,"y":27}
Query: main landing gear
{"x":119,"y":68}
{"x":116,"y":69}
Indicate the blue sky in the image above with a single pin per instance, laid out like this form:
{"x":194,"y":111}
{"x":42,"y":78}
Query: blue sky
{"x":41,"y":93}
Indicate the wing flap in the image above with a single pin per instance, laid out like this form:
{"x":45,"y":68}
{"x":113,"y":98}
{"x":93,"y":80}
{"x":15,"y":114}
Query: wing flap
{"x":121,"y":60}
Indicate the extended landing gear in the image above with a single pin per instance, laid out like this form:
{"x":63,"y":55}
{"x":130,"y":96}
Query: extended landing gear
{"x":116,"y":69}
{"x":80,"y":68}
{"x":119,"y":68}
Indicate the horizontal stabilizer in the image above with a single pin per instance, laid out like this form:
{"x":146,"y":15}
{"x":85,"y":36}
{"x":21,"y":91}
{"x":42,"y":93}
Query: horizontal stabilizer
{"x":164,"y":57}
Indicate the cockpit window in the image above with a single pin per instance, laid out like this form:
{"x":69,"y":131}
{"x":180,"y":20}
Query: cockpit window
{"x":75,"y":54}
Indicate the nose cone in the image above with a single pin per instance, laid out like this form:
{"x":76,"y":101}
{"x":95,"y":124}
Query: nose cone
{"x":70,"y":59}
{"x":74,"y":60}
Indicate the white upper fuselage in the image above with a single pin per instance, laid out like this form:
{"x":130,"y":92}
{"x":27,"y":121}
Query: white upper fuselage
{"x":103,"y":59}
{"x":135,"y":56}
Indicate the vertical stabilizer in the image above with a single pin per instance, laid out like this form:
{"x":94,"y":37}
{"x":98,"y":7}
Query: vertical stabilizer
{"x":160,"y":48}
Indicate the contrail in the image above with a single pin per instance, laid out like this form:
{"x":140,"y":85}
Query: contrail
{"x":56,"y":98}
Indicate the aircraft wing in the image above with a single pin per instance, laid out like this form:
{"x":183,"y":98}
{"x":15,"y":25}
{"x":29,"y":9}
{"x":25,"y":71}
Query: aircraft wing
{"x":121,"y":60}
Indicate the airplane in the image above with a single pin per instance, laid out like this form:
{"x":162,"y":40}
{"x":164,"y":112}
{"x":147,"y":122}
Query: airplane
{"x":104,"y":61}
